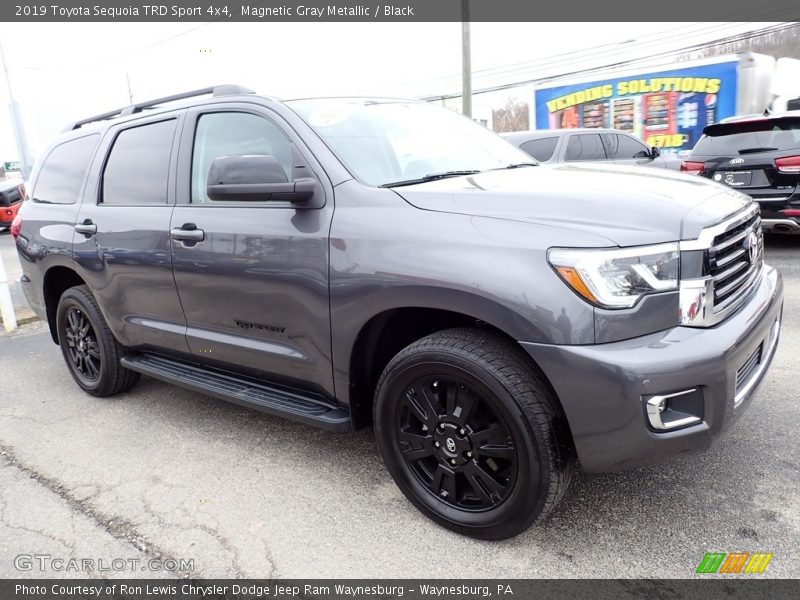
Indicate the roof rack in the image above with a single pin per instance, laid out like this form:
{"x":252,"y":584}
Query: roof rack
{"x":218,"y":90}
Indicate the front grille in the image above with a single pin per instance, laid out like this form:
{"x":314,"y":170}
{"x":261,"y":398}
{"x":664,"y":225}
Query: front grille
{"x":734,"y":261}
{"x":744,"y":372}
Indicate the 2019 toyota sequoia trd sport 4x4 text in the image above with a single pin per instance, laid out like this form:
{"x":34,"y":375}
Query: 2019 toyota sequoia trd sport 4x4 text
{"x":347,"y":262}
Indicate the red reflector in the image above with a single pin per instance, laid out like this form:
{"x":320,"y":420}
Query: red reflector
{"x":791,"y":212}
{"x":692,"y":168}
{"x":16,"y":225}
{"x":788,"y":164}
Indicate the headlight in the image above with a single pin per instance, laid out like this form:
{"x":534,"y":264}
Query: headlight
{"x":617,"y":278}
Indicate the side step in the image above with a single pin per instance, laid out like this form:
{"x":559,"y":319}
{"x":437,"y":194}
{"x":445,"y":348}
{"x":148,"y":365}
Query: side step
{"x":310,"y":408}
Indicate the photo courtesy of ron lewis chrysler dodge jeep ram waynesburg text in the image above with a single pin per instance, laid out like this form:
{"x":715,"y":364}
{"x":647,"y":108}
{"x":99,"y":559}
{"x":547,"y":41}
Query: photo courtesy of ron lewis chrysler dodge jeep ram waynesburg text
{"x":356,"y":262}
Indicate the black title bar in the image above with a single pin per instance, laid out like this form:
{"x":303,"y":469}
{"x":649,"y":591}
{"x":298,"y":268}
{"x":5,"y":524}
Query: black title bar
{"x":402,"y":11}
{"x":709,"y":588}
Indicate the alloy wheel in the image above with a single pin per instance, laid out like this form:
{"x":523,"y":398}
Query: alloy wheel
{"x":82,"y":346}
{"x":456,"y":444}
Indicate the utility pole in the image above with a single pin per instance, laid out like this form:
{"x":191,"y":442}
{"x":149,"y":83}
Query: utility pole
{"x":16,"y":122}
{"x":466,"y":61}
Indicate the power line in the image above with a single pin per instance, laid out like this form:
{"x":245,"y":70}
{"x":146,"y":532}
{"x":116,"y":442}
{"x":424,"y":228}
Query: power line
{"x":607,"y":66}
{"x":565,"y":59}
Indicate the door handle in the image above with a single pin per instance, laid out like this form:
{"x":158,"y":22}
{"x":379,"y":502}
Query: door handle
{"x":87,"y":228}
{"x":188,"y":232}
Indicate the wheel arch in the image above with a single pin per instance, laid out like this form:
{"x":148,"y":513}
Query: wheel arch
{"x":387,"y":332}
{"x":57,"y":280}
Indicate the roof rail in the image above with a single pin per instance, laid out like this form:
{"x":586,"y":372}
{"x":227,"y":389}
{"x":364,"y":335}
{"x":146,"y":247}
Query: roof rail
{"x":217,"y":90}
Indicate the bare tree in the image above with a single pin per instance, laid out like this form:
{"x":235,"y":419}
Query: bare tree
{"x":513,"y":117}
{"x":782,"y":43}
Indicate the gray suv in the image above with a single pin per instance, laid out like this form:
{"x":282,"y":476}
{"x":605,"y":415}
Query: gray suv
{"x":579,"y":145}
{"x":357,"y":262}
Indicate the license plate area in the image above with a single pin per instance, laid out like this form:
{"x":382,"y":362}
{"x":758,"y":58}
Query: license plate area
{"x":734,"y":178}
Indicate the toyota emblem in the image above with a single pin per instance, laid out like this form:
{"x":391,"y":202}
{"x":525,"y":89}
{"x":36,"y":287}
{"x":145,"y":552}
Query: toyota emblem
{"x":451,"y":445}
{"x":752,"y":246}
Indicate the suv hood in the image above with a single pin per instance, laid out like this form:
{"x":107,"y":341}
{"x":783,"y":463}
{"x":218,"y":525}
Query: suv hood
{"x":626,"y":205}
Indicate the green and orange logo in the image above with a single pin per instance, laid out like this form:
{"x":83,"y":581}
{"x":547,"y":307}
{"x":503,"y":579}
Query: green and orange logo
{"x":735,"y":562}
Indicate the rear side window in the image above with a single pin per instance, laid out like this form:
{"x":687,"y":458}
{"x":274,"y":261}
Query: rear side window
{"x":541,"y":149}
{"x":585,"y":147}
{"x":63,"y":171}
{"x":621,"y":147}
{"x":137,"y":170}
{"x":733,"y":139}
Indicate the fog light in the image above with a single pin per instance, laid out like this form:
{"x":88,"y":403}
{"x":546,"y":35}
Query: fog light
{"x":675,"y":410}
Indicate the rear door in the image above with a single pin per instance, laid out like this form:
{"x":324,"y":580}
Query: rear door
{"x":254,"y":287}
{"x":121,"y":242}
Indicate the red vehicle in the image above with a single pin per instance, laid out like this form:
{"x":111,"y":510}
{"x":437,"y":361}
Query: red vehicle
{"x":11,"y":196}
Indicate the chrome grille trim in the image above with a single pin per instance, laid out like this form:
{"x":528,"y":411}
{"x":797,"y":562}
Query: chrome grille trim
{"x":730,"y":269}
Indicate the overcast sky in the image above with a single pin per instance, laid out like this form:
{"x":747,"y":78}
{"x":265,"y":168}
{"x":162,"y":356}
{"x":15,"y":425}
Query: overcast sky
{"x":65,"y":71}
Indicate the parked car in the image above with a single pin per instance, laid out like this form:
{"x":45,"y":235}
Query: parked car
{"x":577,"y":145}
{"x":760,"y":156}
{"x":11,"y":195}
{"x":495,"y":321}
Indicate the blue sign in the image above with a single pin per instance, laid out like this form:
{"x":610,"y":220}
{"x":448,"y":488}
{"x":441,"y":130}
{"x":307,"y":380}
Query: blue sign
{"x":667,"y":109}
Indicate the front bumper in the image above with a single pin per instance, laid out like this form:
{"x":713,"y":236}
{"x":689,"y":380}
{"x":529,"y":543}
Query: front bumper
{"x":603,"y":388}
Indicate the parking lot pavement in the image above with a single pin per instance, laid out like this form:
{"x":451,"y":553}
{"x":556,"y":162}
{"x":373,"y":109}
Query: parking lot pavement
{"x":164,"y":472}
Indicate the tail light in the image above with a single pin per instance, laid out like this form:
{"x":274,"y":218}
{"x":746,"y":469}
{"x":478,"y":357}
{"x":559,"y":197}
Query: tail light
{"x":16,"y":225}
{"x":691,"y":167}
{"x":788,"y":164}
{"x":791,"y":212}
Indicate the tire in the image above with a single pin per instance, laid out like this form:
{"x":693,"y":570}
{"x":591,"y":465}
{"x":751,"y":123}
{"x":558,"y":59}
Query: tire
{"x":88,"y":346}
{"x":472,"y":434}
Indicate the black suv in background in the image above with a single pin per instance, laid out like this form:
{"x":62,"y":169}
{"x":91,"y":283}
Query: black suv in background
{"x":760,"y":156}
{"x":350,"y":262}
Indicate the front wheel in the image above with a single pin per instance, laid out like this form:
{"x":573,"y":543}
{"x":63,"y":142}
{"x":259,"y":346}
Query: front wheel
{"x":472,"y":434}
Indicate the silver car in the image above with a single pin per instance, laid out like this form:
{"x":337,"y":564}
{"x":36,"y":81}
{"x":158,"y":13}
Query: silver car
{"x":580,"y":145}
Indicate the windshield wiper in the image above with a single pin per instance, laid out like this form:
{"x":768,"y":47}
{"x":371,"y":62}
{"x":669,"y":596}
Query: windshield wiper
{"x":518,"y":165}
{"x":431,"y":177}
{"x":754,"y":150}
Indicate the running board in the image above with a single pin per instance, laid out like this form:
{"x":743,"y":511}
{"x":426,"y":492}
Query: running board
{"x":306,"y":408}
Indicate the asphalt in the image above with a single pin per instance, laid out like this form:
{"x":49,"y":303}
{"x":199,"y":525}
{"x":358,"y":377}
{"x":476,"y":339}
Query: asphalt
{"x":162,"y":472}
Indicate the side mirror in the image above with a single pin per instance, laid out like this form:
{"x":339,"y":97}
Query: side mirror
{"x":655,"y":152}
{"x":255,"y":178}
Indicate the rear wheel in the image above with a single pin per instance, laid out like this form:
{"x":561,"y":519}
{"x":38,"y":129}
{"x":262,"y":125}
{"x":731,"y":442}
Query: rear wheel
{"x":471,"y":434}
{"x":88,"y":346}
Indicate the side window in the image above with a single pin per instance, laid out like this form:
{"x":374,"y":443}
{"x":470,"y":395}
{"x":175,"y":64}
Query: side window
{"x":137,"y":170}
{"x":587,"y":146}
{"x":541,"y":149}
{"x":63,"y":171}
{"x":625,"y":147}
{"x":234,"y":134}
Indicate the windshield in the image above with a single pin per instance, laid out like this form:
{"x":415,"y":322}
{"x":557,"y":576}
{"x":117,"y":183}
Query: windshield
{"x":389,"y":141}
{"x":746,"y":137}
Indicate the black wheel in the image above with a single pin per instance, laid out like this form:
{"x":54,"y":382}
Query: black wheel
{"x":471,"y":433}
{"x":89,"y":349}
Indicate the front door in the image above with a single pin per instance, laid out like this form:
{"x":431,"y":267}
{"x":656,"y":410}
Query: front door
{"x":253,"y":277}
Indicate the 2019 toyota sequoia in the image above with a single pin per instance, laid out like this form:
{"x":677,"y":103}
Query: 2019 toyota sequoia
{"x":356,"y":262}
